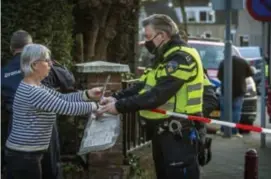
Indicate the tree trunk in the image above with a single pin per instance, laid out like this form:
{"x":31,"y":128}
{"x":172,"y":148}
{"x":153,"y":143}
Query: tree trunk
{"x":106,"y":34}
{"x":79,"y":51}
{"x":108,"y":28}
{"x":182,"y":6}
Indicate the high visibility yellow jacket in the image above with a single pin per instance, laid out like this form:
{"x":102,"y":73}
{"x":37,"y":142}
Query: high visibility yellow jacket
{"x":190,"y":95}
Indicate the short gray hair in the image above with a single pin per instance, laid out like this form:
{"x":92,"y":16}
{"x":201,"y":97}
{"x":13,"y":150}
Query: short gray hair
{"x":161,"y":22}
{"x":19,"y":39}
{"x":32,"y":53}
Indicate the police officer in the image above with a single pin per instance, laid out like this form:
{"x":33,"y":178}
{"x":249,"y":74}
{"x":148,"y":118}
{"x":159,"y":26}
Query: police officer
{"x":10,"y":78}
{"x":174,"y":83}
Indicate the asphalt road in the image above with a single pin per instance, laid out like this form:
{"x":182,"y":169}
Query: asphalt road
{"x":257,"y":137}
{"x":228,"y":155}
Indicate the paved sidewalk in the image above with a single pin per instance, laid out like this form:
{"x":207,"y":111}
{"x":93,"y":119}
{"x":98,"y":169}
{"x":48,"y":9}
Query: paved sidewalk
{"x":228,"y":156}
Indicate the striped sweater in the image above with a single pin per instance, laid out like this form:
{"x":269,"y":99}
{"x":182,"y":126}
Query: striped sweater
{"x":34,"y":112}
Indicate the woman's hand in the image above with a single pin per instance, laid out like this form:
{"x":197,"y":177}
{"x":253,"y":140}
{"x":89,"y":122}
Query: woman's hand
{"x":108,"y":108}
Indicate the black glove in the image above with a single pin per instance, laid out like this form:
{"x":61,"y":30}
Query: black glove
{"x":205,"y":153}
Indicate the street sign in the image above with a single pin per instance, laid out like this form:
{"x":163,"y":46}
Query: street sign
{"x":259,"y":9}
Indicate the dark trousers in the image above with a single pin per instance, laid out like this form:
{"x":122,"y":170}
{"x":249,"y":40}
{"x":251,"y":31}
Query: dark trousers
{"x":24,"y":165}
{"x":50,"y":163}
{"x":174,"y":157}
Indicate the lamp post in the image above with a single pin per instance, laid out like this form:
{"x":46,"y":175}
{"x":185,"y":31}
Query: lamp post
{"x":227,"y":6}
{"x":227,"y":91}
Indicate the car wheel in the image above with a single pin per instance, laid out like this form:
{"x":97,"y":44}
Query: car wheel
{"x":258,"y":92}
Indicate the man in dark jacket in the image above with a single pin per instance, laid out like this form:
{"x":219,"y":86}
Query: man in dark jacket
{"x":10,"y":78}
{"x":210,"y":101}
{"x":173,"y":83}
{"x":240,"y":71}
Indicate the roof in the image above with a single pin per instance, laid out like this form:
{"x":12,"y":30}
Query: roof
{"x":222,"y":44}
{"x":204,"y":39}
{"x":249,"y":47}
{"x":101,"y":66}
{"x":206,"y":42}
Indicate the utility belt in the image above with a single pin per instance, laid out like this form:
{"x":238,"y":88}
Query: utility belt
{"x":186,"y":132}
{"x":174,"y":125}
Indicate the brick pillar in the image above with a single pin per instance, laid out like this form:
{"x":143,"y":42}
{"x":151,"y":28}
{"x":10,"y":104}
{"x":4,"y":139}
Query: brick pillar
{"x":94,"y":80}
{"x":106,"y":164}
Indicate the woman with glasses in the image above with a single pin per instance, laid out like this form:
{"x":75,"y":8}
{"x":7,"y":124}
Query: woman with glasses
{"x":34,"y":113}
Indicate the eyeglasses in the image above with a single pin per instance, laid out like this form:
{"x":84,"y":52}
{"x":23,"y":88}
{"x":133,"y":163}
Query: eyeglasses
{"x":48,"y":60}
{"x":45,"y":60}
{"x":149,"y":36}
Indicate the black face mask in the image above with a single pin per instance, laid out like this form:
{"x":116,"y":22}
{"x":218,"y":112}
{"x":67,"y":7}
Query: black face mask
{"x":150,"y":46}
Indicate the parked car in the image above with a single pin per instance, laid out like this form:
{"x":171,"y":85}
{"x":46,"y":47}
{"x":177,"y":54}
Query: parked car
{"x":212,"y":53}
{"x":250,"y":52}
{"x":253,"y":55}
{"x":268,"y":104}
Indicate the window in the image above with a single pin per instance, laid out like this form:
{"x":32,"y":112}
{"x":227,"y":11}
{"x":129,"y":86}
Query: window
{"x":211,"y":55}
{"x":200,"y":14}
{"x":203,"y":16}
{"x":244,"y":40}
{"x":211,"y":16}
{"x":191,"y":16}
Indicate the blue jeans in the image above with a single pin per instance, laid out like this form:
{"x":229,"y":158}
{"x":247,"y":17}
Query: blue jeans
{"x":237,"y":104}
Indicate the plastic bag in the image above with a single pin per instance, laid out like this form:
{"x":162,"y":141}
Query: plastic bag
{"x":100,"y":133}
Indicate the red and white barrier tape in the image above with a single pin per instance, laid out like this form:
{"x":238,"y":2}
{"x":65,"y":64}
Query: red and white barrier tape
{"x":213,"y":121}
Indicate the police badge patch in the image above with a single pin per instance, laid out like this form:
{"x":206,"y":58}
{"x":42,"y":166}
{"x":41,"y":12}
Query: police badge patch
{"x":171,"y":67}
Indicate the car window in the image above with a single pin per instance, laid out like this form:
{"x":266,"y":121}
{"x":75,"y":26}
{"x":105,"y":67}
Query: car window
{"x":250,"y":52}
{"x":211,"y":55}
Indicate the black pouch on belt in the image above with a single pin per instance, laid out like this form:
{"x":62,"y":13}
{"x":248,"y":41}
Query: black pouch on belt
{"x":178,"y":151}
{"x":205,"y":153}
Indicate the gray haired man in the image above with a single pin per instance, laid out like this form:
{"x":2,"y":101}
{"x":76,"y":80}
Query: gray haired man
{"x":174,"y":83}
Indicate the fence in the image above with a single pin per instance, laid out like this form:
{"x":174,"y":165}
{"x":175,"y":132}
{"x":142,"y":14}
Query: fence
{"x":134,"y":135}
{"x":133,"y":138}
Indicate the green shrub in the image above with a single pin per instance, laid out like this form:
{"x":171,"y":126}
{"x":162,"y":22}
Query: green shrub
{"x":50,"y":22}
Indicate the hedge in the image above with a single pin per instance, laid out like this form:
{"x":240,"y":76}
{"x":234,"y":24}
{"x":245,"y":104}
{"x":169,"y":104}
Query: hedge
{"x":50,"y":22}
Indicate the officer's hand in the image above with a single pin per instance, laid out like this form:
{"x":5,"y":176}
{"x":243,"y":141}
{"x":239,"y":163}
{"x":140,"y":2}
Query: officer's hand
{"x":107,"y":100}
{"x":108,"y":108}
